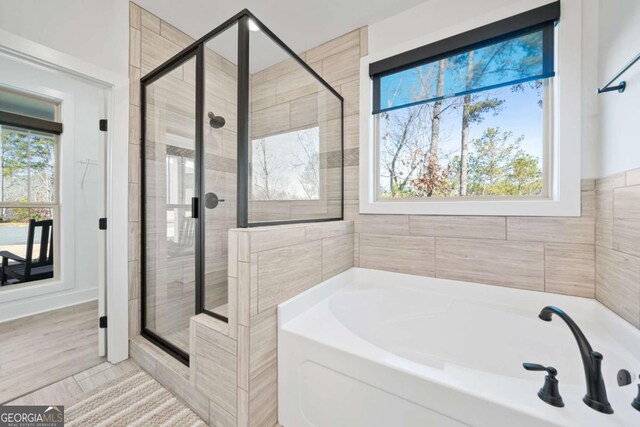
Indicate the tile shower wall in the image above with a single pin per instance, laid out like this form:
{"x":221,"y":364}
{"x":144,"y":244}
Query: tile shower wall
{"x":618,"y":244}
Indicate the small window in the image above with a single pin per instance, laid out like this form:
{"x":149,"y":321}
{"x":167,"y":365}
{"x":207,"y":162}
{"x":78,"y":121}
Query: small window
{"x":468,"y":117}
{"x":286,"y":166}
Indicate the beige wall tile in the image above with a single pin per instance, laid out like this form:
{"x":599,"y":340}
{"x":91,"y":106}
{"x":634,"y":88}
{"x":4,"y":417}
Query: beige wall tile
{"x":551,"y":229}
{"x":356,"y":249}
{"x":243,"y":408}
{"x":209,"y":329}
{"x":626,"y":202}
{"x":232,"y":262}
{"x":348,"y":41}
{"x":626,"y":222}
{"x":364,"y":41}
{"x":170,"y":32}
{"x":243,"y":357}
{"x":604,"y":203}
{"x":626,"y":235}
{"x":295,"y":84}
{"x":633,"y":177}
{"x":253,"y":303}
{"x":276,"y":237}
{"x":156,"y":50}
{"x":351,"y":131}
{"x":134,"y":241}
{"x":134,"y":317}
{"x":380,"y":224}
{"x":150,"y":21}
{"x":588,"y":184}
{"x":351,"y":93}
{"x":263,"y":342}
{"x":134,"y":86}
{"x":218,"y":417}
{"x":403,"y":254}
{"x":304,"y":111}
{"x":133,"y":203}
{"x":269,"y":210}
{"x":588,"y":207}
{"x":244,"y":293}
{"x":233,"y":306}
{"x":618,"y":283}
{"x":180,"y":387}
{"x":604,"y":233}
{"x":143,"y":358}
{"x":342,"y":66}
{"x":459,"y":226}
{"x":610,"y":182}
{"x":337,"y":255}
{"x":270,"y":121}
{"x":504,"y":263}
{"x":216,"y":375}
{"x":570,"y":269}
{"x":263,"y":398}
{"x":263,"y":94}
{"x":134,"y":279}
{"x":134,"y":15}
{"x":298,"y":267}
{"x":244,"y":246}
{"x":322,"y":230}
{"x":134,"y":47}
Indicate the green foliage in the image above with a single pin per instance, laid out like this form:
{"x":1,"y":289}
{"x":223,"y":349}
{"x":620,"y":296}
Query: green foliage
{"x":498,"y":166}
{"x":27,"y":165}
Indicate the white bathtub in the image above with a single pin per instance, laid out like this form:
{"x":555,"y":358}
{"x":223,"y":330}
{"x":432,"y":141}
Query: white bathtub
{"x":372,"y":348}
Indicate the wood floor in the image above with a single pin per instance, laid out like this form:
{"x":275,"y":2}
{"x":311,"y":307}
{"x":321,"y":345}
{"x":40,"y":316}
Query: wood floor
{"x":40,"y":350}
{"x":71,"y":389}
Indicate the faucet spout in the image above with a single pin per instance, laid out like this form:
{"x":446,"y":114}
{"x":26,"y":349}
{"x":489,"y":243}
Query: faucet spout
{"x":596,"y":396}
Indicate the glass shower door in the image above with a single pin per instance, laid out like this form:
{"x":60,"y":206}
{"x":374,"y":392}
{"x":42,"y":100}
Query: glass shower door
{"x":219,"y":177}
{"x":169,"y":227}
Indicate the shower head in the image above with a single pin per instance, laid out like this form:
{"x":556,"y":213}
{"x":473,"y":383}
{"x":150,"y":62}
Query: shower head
{"x":216,"y":122}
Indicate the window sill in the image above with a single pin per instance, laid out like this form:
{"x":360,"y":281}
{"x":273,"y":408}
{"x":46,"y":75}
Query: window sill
{"x":526,"y":207}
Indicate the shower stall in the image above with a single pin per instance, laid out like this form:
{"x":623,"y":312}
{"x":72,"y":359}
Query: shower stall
{"x":237,"y":131}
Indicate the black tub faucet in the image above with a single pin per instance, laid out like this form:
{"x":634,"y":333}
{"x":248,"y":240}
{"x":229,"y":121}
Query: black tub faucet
{"x":596,"y":396}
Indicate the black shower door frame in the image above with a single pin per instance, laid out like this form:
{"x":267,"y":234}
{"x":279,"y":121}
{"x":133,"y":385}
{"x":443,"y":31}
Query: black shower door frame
{"x":196,"y":49}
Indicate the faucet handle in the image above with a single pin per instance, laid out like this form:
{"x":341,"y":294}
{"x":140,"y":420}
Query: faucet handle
{"x":536,"y":367}
{"x":549,"y":393}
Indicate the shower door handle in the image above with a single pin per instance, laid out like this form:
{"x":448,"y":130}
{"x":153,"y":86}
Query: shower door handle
{"x":194,"y":207}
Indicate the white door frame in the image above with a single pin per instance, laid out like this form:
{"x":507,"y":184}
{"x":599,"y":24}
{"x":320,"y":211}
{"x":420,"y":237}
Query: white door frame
{"x":117,"y":88}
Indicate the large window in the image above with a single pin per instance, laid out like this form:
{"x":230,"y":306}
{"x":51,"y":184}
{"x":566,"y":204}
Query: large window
{"x":468,"y":118}
{"x":28,"y":188}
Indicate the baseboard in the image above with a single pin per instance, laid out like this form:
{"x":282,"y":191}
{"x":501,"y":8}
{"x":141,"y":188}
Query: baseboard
{"x":13,"y":310}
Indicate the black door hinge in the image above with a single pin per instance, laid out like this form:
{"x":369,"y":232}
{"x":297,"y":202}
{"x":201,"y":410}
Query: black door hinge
{"x":102,"y":223}
{"x":103,"y":125}
{"x":103,"y":322}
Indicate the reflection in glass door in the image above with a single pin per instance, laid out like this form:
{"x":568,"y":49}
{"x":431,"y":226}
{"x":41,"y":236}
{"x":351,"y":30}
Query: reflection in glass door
{"x":219,"y":177}
{"x":169,"y":227}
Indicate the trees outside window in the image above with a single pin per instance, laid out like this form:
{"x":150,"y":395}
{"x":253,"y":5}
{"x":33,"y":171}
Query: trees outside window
{"x":488,"y":141}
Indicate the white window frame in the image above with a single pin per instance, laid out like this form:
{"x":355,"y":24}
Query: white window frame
{"x":563,"y":159}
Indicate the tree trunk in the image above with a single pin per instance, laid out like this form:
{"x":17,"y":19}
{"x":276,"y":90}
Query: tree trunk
{"x":464,"y":143}
{"x":435,"y":124}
